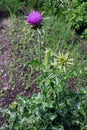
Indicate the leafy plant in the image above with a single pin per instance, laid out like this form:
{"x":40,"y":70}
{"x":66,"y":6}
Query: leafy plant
{"x":55,"y":107}
{"x":84,"y":34}
{"x":55,"y":7}
{"x":76,"y":15}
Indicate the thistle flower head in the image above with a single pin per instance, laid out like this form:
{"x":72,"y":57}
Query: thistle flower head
{"x":34,"y":18}
{"x":63,"y":60}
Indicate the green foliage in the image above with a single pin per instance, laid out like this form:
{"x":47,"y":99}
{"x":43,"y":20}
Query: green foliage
{"x":84,"y":34}
{"x":55,"y":6}
{"x":11,"y":5}
{"x":62,"y":35}
{"x":33,"y":4}
{"x":55,"y":107}
{"x":48,"y":6}
{"x":76,"y":15}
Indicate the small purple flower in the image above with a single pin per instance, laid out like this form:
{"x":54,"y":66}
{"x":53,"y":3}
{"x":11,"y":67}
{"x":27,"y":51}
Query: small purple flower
{"x":34,"y":18}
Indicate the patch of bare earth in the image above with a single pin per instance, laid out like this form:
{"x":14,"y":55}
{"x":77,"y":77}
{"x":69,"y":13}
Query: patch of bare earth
{"x":5,"y":58}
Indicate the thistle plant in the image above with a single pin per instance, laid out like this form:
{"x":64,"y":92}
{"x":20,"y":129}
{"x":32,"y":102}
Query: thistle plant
{"x":60,"y":61}
{"x":34,"y":19}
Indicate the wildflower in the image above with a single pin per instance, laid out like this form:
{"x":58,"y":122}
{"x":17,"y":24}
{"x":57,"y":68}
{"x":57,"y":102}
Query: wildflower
{"x":34,"y":18}
{"x":63,"y":60}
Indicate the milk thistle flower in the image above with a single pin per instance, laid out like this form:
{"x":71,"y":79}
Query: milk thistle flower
{"x":63,"y":60}
{"x":34,"y":18}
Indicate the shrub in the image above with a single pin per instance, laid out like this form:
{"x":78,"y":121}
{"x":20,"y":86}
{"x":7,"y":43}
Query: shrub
{"x":76,"y":15}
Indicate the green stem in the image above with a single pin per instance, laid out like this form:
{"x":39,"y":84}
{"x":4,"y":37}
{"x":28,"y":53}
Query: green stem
{"x":39,"y":47}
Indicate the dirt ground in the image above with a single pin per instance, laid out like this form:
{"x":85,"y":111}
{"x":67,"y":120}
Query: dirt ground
{"x":5,"y":57}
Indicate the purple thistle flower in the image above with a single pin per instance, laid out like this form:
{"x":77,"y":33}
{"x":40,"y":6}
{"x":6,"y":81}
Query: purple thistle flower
{"x":34,"y":18}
